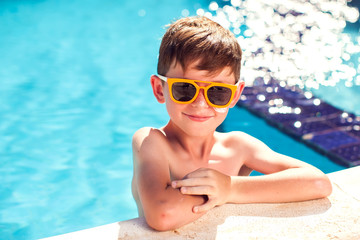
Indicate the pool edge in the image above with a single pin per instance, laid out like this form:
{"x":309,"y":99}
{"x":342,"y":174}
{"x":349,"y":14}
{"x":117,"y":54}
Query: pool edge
{"x":332,"y":217}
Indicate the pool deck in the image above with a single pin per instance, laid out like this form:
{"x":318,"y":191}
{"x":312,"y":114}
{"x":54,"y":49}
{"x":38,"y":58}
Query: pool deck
{"x":335,"y":217}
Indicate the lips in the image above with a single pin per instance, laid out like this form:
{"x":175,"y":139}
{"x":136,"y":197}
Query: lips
{"x":197,"y":118}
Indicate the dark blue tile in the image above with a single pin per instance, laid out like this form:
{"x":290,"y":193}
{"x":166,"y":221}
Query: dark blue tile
{"x":321,"y":125}
{"x":350,"y":153}
{"x":308,"y":127}
{"x":333,"y":140}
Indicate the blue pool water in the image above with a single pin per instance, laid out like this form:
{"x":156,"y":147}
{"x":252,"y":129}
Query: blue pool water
{"x":74,"y":86}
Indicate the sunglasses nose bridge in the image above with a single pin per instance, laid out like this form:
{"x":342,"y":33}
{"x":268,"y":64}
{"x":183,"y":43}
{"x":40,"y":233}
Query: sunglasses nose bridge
{"x":200,"y":99}
{"x":202,"y":90}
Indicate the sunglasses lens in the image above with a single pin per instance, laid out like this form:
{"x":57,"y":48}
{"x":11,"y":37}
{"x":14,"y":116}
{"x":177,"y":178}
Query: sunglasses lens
{"x":219,"y":95}
{"x":183,"y":91}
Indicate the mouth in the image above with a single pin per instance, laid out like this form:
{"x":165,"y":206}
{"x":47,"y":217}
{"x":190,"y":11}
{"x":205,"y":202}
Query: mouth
{"x":197,"y":118}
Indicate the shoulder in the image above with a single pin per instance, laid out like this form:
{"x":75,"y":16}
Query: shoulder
{"x":236,"y":138}
{"x":145,"y":134}
{"x":148,"y":141}
{"x":244,"y":144}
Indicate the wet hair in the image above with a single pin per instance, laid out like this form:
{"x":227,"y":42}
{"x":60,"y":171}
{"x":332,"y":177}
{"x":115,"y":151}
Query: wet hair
{"x":199,"y":39}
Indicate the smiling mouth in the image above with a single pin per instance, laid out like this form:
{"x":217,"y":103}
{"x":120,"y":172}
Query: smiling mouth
{"x":197,"y":118}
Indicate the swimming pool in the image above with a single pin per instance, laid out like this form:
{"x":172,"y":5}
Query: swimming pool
{"x":73,"y":90}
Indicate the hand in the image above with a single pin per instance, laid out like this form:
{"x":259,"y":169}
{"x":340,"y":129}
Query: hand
{"x":205,"y":181}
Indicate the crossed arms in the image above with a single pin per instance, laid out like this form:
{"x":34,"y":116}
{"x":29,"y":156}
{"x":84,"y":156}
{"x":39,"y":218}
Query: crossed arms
{"x":168,"y":204}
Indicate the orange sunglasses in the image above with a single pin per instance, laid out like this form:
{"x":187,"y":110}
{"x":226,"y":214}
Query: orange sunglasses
{"x":185,"y":91}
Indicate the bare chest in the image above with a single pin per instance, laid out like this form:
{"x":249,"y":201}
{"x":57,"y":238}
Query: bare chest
{"x":225,"y":162}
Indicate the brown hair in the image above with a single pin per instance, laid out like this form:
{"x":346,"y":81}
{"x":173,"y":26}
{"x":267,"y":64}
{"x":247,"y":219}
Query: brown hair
{"x":198,"y":38}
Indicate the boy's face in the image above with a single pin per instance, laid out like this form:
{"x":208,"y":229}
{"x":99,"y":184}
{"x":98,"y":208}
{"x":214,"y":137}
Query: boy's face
{"x":197,"y":118}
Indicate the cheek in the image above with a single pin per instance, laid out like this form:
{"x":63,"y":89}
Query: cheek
{"x":172,"y":108}
{"x":221,"y":117}
{"x":167,"y":95}
{"x":221,"y":110}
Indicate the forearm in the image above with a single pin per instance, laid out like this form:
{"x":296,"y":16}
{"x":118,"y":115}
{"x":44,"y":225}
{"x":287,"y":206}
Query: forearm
{"x":171,"y":211}
{"x":295,"y":184}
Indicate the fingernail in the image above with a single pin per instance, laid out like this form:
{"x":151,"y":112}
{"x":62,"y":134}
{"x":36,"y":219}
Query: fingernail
{"x":183,"y":190}
{"x":173,"y":184}
{"x":196,"y":209}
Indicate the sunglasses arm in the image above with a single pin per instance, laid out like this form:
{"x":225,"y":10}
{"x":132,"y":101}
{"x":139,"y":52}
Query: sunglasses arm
{"x":163,"y":78}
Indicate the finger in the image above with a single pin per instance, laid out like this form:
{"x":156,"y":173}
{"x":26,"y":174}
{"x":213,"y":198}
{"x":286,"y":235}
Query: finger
{"x":200,"y":172}
{"x":189,"y":182}
{"x":197,"y":190}
{"x":205,"y":207}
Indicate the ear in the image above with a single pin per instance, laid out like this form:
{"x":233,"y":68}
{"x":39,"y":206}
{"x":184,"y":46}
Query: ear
{"x":157,"y":87}
{"x":237,"y":94}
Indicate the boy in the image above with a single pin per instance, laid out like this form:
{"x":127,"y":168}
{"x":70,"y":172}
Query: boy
{"x":185,"y":168}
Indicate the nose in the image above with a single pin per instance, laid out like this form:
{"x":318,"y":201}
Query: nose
{"x":200,"y":100}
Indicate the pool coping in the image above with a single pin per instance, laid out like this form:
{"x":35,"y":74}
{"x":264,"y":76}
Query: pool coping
{"x":335,"y":217}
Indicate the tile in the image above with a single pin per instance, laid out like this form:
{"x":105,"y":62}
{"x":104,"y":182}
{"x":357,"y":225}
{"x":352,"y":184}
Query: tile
{"x":320,"y":125}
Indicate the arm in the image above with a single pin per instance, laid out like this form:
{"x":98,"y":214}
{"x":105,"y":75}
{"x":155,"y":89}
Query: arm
{"x":286,"y":179}
{"x":295,"y":181}
{"x":164,"y":207}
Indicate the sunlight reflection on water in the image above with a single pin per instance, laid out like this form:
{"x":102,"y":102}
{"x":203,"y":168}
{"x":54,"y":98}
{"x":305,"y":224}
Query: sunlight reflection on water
{"x":299,"y":42}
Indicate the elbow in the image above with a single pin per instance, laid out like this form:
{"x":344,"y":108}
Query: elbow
{"x":161,"y":220}
{"x":159,"y":223}
{"x":323,"y":187}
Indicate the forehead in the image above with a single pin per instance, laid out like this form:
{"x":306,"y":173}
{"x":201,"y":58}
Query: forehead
{"x":193,"y":71}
